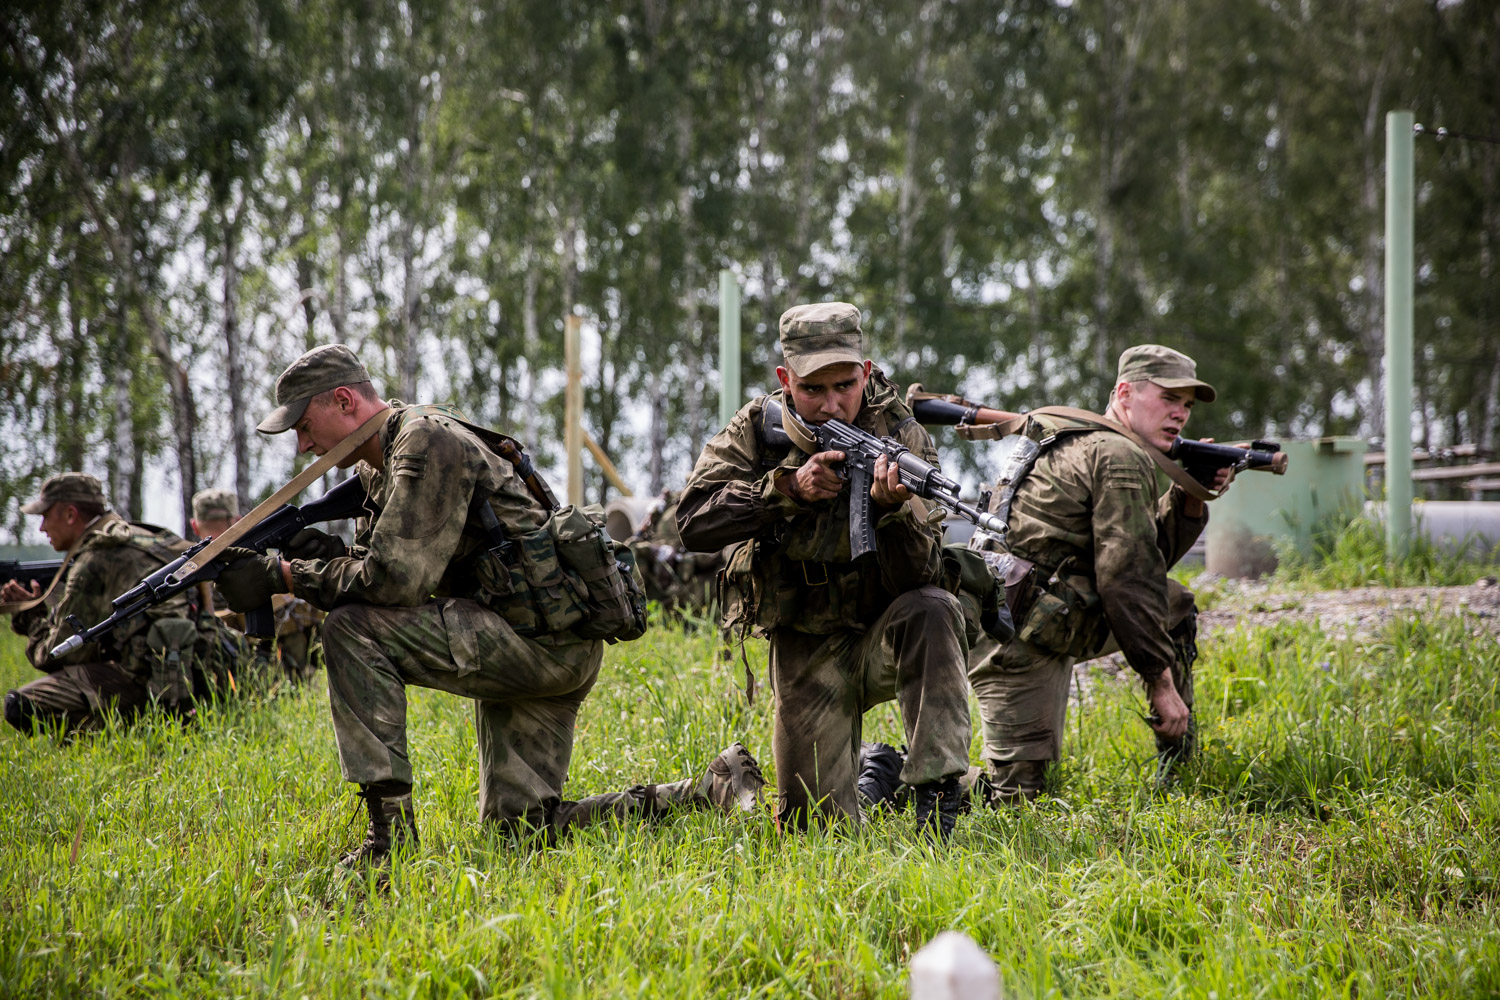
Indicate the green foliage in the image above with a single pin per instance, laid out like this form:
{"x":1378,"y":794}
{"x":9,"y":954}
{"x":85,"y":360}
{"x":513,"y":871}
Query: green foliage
{"x":1349,"y":550}
{"x":1335,"y":838}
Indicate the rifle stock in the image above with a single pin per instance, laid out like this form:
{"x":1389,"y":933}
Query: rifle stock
{"x":1200,"y":459}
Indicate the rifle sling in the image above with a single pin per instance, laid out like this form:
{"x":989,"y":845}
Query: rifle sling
{"x":274,"y":502}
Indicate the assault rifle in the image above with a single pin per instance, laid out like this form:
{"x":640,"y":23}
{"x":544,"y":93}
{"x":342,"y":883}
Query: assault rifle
{"x":861,"y":449}
{"x":343,"y":501}
{"x":1200,"y":459}
{"x":27,"y":573}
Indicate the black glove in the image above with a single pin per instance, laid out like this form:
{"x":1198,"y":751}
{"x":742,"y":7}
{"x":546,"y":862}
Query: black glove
{"x":311,"y":543}
{"x":249,"y":581}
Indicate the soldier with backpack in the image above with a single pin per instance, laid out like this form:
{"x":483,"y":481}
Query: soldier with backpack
{"x":464,"y":576}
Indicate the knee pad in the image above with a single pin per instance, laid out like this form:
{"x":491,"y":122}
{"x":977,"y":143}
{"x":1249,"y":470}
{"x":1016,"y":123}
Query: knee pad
{"x":19,"y":711}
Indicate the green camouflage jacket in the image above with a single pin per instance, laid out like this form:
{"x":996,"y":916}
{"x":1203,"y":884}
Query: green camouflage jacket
{"x":415,"y":541}
{"x":112,"y":556}
{"x":1091,"y":498}
{"x":799,"y":552}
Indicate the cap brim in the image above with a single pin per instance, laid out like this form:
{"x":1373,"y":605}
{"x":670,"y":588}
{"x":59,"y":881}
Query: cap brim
{"x":805,"y":364}
{"x":284,"y":418}
{"x":1202,"y":390}
{"x":36,"y":507}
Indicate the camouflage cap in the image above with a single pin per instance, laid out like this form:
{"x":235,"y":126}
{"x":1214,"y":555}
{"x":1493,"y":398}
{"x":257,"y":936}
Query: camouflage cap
{"x":319,"y":370}
{"x":1167,"y":368}
{"x":824,"y":333}
{"x":67,"y":487}
{"x":215,"y":504}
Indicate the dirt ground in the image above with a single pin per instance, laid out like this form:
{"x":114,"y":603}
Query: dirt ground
{"x":1360,"y":611}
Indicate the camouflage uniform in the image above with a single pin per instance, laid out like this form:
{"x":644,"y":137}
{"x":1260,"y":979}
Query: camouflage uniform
{"x":82,"y":686}
{"x":1088,"y":516}
{"x":844,"y":636}
{"x":404,"y":607}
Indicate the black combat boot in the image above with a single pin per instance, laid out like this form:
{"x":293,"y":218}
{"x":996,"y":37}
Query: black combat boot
{"x":880,"y":774}
{"x":393,"y":827}
{"x":938,"y":803}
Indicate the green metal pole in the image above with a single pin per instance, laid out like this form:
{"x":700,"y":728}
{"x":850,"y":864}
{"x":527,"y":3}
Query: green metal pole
{"x":1398,"y":330}
{"x":729,"y":346}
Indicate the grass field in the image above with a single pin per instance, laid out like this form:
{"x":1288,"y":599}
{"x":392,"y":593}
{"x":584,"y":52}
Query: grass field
{"x":1338,"y":837}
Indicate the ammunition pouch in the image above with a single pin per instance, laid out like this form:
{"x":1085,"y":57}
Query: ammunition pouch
{"x":1063,"y":615}
{"x":567,"y":575}
{"x":182,"y":659}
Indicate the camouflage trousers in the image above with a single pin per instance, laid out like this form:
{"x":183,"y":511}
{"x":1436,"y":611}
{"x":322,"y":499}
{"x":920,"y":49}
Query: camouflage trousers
{"x":1022,"y":690}
{"x":79,"y":697}
{"x":914,"y":653}
{"x":526,"y":691}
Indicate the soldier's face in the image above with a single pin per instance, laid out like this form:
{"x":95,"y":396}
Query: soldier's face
{"x":835,"y":391}
{"x":63,"y":526}
{"x":324,"y":424}
{"x":1156,"y":413}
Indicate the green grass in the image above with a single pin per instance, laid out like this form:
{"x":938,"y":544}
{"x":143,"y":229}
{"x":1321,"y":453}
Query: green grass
{"x":1350,"y":551}
{"x":1337,"y":838}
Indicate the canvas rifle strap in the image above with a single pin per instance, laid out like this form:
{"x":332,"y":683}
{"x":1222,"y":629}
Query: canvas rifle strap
{"x":271,"y":504}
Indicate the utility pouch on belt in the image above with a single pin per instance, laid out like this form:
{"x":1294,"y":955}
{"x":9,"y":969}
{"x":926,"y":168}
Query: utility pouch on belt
{"x":171,"y":644}
{"x":566,"y":574}
{"x":1064,"y":615}
{"x":971,"y":576}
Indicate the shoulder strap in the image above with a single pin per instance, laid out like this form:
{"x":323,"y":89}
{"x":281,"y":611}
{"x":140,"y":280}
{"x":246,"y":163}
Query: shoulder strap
{"x":1175,"y":472}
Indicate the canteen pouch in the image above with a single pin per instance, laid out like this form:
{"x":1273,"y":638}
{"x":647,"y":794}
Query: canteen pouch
{"x":171,"y":644}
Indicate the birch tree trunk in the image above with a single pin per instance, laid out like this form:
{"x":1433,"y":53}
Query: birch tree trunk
{"x":234,"y":362}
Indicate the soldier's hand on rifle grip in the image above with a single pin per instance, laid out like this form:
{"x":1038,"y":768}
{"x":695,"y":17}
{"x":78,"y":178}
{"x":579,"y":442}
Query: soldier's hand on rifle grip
{"x":312,"y":543}
{"x":249,"y":581}
{"x":815,"y":479}
{"x":15,"y":590}
{"x":1223,"y":477}
{"x":886,"y":488}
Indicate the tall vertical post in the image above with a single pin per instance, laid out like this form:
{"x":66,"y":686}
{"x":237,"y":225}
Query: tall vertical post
{"x":1398,"y":330}
{"x":729,"y":346}
{"x":573,"y":407}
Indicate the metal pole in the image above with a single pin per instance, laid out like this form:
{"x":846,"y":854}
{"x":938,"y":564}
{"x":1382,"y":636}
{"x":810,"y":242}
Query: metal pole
{"x":1398,"y":330}
{"x":573,"y":408}
{"x":729,"y":346}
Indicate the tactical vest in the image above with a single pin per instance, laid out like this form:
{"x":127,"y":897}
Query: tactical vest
{"x":1055,"y":607}
{"x":565,"y":575}
{"x":799,"y":573}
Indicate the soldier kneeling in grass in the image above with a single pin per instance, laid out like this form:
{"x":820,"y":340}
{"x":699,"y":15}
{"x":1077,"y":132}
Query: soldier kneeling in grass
{"x":454,"y":582}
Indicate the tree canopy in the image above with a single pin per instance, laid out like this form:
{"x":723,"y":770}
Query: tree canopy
{"x":193,"y":192}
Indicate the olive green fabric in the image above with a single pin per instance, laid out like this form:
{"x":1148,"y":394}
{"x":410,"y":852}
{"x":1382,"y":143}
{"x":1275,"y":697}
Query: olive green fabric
{"x":1167,"y":368}
{"x":215,"y":504}
{"x":112,"y":556}
{"x":821,"y":334}
{"x":835,"y":625}
{"x":80,"y":697}
{"x":1089,"y":508}
{"x":1022,"y":690}
{"x":317,"y":371}
{"x":912,"y":652}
